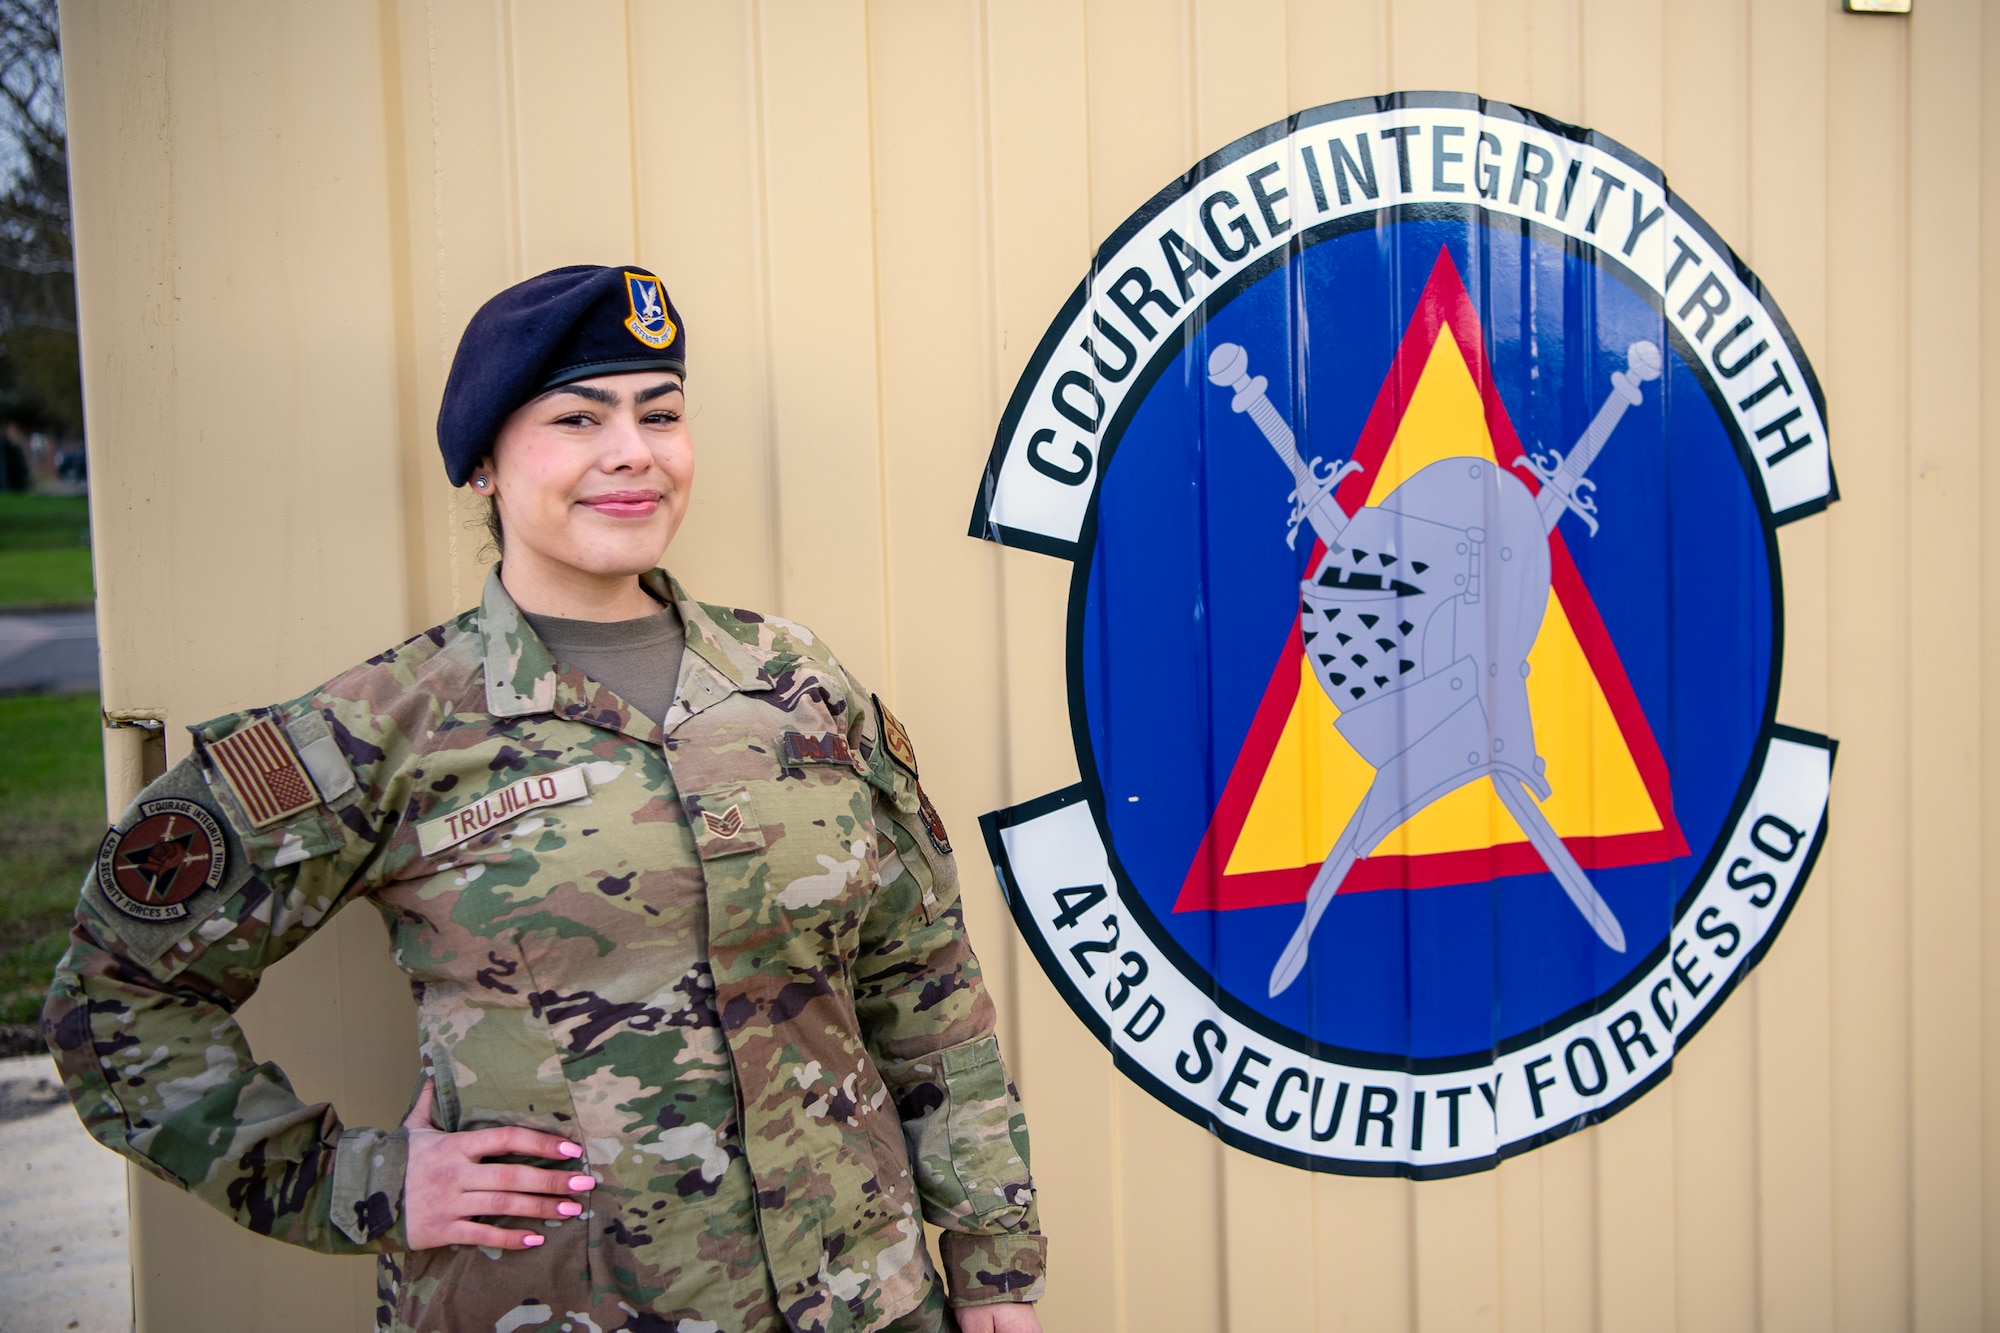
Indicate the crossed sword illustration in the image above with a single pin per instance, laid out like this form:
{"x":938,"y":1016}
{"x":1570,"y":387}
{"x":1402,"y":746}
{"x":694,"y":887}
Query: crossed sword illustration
{"x":1456,"y":525}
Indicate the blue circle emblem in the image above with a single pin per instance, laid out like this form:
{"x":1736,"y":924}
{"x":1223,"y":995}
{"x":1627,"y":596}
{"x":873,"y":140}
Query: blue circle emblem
{"x":1424,"y":634}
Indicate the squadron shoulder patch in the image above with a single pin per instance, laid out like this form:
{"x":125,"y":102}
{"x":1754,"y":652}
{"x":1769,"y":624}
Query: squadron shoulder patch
{"x":264,"y":772}
{"x":896,"y":740}
{"x":173,"y":851}
{"x":933,"y":824}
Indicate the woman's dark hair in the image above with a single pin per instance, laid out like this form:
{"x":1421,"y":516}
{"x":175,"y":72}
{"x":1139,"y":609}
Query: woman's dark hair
{"x":493,"y":526}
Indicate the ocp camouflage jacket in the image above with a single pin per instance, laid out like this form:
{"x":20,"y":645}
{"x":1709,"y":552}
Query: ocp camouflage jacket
{"x":725,"y":953}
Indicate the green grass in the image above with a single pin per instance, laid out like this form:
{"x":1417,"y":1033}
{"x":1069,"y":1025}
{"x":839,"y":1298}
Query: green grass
{"x":44,"y":578}
{"x":52,"y":790}
{"x":43,"y":522}
{"x":44,"y":550}
{"x":52,"y":774}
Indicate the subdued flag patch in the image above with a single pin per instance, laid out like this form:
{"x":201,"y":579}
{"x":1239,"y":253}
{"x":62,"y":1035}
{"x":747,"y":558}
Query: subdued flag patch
{"x":264,"y":772}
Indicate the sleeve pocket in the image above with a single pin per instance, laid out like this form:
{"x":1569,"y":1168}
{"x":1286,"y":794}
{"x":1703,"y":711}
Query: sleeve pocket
{"x":988,"y":1163}
{"x":315,"y":832}
{"x":368,"y":1170}
{"x":309,"y":832}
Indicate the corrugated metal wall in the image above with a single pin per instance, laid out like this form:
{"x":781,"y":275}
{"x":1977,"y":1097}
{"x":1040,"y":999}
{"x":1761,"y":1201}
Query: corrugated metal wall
{"x":868,"y":213}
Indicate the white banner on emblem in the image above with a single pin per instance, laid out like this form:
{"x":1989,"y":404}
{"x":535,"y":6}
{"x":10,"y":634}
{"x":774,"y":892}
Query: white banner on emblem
{"x":1045,"y":469}
{"x":1246,"y":1083}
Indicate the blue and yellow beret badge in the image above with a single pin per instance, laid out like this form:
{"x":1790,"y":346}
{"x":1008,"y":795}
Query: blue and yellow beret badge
{"x":648,"y":321}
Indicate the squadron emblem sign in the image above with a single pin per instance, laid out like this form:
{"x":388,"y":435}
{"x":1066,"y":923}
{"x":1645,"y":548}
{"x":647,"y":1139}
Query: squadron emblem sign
{"x":1420,"y":461}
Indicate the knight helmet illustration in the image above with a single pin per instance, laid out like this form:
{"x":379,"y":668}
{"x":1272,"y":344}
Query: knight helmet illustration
{"x":1419,"y":619}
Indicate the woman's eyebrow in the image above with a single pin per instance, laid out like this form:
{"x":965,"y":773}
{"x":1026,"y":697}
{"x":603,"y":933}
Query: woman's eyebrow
{"x":595,"y":395}
{"x":657,"y":391}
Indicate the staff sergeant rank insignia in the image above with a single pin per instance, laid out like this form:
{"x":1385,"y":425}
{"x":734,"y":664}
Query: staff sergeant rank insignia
{"x":172,"y":851}
{"x":1419,"y":460}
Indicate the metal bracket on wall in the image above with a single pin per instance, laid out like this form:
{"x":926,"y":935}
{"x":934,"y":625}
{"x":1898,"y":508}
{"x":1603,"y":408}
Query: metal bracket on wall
{"x":146,"y":719}
{"x":1876,"y":6}
{"x":135,"y":752}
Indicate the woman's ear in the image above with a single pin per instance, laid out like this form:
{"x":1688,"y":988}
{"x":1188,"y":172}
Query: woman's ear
{"x":482,"y":476}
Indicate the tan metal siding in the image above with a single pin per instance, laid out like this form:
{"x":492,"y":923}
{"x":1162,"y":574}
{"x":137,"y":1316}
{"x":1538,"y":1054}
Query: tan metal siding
{"x":869,"y":212}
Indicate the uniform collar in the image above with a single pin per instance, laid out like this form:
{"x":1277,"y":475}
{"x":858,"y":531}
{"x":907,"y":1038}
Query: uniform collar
{"x":522,"y":677}
{"x":520,"y":672}
{"x":717,"y":638}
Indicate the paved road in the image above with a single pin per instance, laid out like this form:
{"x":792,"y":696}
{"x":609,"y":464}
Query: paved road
{"x":48,"y":650}
{"x":64,"y":1228}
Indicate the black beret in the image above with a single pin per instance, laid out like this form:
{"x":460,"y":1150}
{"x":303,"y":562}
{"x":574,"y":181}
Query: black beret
{"x":565,"y":325}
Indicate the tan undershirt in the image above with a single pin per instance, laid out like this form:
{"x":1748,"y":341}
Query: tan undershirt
{"x":640,"y":660}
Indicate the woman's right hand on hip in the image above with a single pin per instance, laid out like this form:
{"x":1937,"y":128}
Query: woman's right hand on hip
{"x":449,"y":1182}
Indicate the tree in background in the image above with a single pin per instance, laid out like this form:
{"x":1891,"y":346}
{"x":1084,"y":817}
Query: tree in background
{"x":41,"y":385}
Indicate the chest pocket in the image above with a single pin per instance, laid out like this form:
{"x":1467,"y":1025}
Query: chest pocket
{"x":800,"y":842}
{"x":826,"y":813}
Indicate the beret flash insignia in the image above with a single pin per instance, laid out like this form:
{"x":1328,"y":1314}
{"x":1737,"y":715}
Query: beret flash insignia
{"x":648,"y":322}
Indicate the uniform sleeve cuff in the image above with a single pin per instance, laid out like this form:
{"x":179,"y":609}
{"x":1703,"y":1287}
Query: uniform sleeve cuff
{"x":986,"y":1270}
{"x":367,"y":1200}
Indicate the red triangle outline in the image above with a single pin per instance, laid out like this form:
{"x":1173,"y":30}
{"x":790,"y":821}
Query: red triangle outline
{"x":1444,"y":306}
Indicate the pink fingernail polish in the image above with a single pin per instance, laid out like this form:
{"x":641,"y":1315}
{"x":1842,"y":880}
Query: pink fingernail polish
{"x":571,"y":1150}
{"x":568,"y":1209}
{"x":582,"y":1183}
{"x":532,"y":1241}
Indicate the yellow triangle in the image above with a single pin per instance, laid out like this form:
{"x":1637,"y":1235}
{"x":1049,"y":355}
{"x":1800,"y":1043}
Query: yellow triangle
{"x":1445,"y":419}
{"x":1315,"y":779}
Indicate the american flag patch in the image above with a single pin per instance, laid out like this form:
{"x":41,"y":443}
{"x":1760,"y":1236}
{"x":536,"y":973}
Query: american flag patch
{"x":264,"y":772}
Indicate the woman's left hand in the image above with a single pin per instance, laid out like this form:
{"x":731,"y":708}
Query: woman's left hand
{"x":1002,"y":1318}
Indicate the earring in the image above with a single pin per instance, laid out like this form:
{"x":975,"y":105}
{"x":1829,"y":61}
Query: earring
{"x":482,"y":483}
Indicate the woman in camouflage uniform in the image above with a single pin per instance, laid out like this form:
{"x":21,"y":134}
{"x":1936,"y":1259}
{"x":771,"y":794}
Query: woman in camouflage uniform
{"x":683,"y":927}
